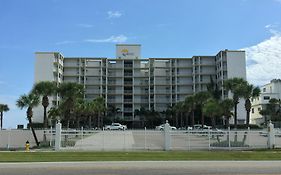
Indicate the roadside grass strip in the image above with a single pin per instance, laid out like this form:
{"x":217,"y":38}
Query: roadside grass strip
{"x":138,"y":156}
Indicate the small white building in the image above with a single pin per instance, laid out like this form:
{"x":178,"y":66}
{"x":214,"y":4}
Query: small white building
{"x":268,"y":91}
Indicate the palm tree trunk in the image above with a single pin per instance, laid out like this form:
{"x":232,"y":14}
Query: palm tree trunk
{"x":78,"y":122}
{"x":192,"y":118}
{"x":1,"y":120}
{"x":33,"y":131}
{"x":235,"y":115}
{"x":202,"y":119}
{"x":45,"y":118}
{"x":247,"y":118}
{"x":90,"y":122}
{"x":213,"y":122}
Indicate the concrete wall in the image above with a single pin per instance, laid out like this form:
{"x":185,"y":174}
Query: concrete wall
{"x":17,"y":138}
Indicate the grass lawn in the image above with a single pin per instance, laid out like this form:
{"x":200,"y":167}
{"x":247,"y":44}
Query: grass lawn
{"x":135,"y":156}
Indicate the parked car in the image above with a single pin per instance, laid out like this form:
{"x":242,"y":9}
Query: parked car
{"x":199,"y":127}
{"x":161,"y":127}
{"x":115,"y":126}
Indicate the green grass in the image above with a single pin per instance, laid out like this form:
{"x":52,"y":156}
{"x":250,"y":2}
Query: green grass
{"x":135,"y":156}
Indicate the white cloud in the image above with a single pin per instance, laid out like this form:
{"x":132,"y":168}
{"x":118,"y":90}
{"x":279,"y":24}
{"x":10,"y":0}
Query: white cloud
{"x":85,"y":25}
{"x":114,"y":14}
{"x":112,"y":39}
{"x":264,"y":59}
{"x":64,"y":42}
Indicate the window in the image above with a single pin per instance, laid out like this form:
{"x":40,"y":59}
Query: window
{"x":259,"y":109}
{"x":253,"y":110}
{"x":266,"y":97}
{"x":264,"y":89}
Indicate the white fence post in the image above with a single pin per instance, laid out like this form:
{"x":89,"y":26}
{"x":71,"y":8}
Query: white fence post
{"x":145,"y":138}
{"x":51,"y":136}
{"x":271,"y":136}
{"x":229,"y":143}
{"x":167,"y":136}
{"x":9,"y":137}
{"x":82,"y":135}
{"x":209,"y":135}
{"x":58,"y":136}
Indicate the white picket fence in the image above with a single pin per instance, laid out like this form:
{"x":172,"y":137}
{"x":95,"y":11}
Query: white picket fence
{"x":103,"y":140}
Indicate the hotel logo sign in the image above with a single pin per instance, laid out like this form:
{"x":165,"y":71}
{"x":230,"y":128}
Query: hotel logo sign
{"x":125,"y":52}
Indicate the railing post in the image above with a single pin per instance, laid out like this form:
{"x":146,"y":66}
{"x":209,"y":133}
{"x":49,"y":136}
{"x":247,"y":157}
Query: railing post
{"x":9,"y":137}
{"x":271,"y":136}
{"x":188,"y":139}
{"x":51,"y":136}
{"x":145,"y":138}
{"x":229,"y":143}
{"x":82,"y":135}
{"x":209,"y":138}
{"x":167,"y":136}
{"x":58,"y":136}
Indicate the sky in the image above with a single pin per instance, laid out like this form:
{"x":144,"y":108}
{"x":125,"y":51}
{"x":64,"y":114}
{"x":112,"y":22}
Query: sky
{"x":164,"y":28}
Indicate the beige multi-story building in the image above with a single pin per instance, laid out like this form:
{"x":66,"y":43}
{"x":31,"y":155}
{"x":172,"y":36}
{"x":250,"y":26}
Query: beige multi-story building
{"x":268,"y":91}
{"x":130,"y":82}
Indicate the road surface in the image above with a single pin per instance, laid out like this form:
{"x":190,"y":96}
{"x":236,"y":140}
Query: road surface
{"x":144,"y":168}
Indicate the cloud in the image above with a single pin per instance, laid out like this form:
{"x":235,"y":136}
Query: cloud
{"x":112,"y":39}
{"x":85,"y":25}
{"x":263,"y":59}
{"x":114,"y":14}
{"x":64,"y":42}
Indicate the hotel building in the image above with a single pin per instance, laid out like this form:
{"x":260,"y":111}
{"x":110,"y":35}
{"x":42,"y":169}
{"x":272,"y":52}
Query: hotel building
{"x":130,"y":82}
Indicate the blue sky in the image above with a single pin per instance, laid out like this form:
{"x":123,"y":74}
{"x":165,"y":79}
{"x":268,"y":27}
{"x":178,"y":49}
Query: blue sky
{"x":179,"y":28}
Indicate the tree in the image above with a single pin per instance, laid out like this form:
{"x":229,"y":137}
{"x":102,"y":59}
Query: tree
{"x":212,"y":109}
{"x":99,"y":108}
{"x":54,"y":114}
{"x":29,"y":101}
{"x":200,"y":99}
{"x":142,"y":112}
{"x":69,"y":93}
{"x":250,"y":92}
{"x":213,"y":89}
{"x":226,"y":109}
{"x":190,"y":105}
{"x":236,"y":86}
{"x":271,"y":111}
{"x":3,"y":108}
{"x":80,"y":111}
{"x":179,"y":109}
{"x":45,"y":89}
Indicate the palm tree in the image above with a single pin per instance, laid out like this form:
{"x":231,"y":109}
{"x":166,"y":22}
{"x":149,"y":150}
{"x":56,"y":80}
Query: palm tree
{"x":29,"y":101}
{"x":236,"y":86}
{"x":69,"y":92}
{"x":3,"y":108}
{"x":211,"y":109}
{"x":54,"y":114}
{"x":99,"y":108}
{"x":45,"y":89}
{"x":226,"y":108}
{"x":80,"y":111}
{"x":190,"y":104}
{"x":178,"y":110}
{"x":200,"y":99}
{"x":250,"y":92}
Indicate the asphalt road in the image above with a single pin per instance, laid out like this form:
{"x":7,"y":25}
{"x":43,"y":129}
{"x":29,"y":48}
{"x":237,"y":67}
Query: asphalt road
{"x":144,"y":168}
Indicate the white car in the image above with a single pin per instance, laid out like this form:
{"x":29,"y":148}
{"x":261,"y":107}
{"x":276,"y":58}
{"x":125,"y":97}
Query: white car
{"x":115,"y":126}
{"x":161,"y":127}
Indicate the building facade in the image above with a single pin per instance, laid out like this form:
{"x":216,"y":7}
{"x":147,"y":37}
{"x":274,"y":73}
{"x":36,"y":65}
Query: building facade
{"x":268,"y":91}
{"x":129,"y":82}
